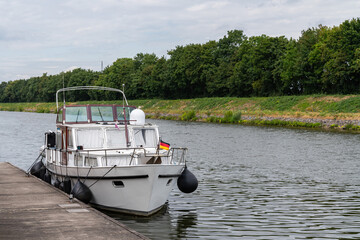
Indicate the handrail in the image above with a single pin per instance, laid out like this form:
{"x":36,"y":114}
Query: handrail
{"x":169,"y":153}
{"x":87,"y":88}
{"x":146,"y":154}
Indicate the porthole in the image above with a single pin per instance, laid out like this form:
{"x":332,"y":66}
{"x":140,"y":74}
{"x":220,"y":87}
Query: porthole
{"x":118,"y":184}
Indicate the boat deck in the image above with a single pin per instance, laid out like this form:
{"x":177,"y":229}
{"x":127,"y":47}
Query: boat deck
{"x":33,"y":209}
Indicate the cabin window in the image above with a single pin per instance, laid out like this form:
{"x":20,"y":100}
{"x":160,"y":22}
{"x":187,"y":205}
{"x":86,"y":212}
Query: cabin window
{"x":60,"y":116}
{"x":90,"y":138}
{"x":115,"y":138}
{"x":78,"y":161}
{"x":76,"y":114}
{"x":120,"y":113}
{"x":145,"y":137}
{"x":102,"y":114}
{"x":90,"y":161}
{"x":58,"y":139}
{"x":70,"y":139}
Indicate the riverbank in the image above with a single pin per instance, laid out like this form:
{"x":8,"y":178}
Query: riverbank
{"x":338,"y":112}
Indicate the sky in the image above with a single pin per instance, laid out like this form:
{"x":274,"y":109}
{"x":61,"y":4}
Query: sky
{"x":53,"y":36}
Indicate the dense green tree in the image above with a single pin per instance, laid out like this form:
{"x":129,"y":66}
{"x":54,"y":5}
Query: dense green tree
{"x":142,"y":79}
{"x":337,"y":50}
{"x":186,"y":67}
{"x":228,"y":45}
{"x":77,"y":77}
{"x":226,"y":58}
{"x":115,"y":76}
{"x":159,"y":78}
{"x":2,"y":91}
{"x":257,"y":67}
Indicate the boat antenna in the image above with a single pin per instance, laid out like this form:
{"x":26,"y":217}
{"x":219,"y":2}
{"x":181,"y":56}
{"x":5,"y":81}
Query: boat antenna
{"x":64,"y":87}
{"x":125,"y":120}
{"x":123,"y":85}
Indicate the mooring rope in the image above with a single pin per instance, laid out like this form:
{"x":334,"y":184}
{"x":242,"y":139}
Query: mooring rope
{"x":54,"y":165}
{"x":87,"y":174}
{"x":66,"y":169}
{"x":60,"y":165}
{"x":77,"y":170}
{"x":102,"y":176}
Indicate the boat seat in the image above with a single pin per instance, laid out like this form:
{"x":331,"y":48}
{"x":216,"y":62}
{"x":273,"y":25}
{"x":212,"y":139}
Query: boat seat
{"x":154,"y":160}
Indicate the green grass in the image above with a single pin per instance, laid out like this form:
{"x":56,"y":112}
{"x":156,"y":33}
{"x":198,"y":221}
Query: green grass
{"x":219,"y":106}
{"x":231,"y":110}
{"x":350,"y":105}
{"x":285,"y":103}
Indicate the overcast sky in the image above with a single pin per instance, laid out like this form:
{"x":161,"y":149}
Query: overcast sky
{"x":51,"y":36}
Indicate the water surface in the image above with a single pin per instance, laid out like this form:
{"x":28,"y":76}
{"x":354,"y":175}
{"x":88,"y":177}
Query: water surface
{"x":254,"y":182}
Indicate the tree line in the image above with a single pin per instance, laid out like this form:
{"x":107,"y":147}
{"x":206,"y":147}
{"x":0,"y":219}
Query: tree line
{"x":323,"y":60}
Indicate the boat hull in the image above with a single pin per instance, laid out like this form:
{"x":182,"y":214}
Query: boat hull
{"x":140,"y":190}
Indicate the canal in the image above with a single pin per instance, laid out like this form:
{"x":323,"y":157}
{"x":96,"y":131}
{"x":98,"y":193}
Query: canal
{"x":254,"y":182}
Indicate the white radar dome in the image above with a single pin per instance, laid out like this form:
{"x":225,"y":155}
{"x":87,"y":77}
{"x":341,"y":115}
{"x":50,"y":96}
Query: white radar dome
{"x":137,"y":117}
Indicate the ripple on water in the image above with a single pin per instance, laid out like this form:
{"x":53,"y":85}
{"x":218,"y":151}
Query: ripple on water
{"x":254,"y":183}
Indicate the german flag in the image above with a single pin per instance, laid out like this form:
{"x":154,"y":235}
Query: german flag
{"x":164,"y":145}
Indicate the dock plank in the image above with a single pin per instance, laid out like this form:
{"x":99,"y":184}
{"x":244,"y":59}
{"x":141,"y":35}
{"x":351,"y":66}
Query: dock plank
{"x":33,"y":209}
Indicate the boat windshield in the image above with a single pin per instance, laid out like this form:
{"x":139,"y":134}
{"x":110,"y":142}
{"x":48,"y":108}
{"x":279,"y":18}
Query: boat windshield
{"x":145,"y":137}
{"x":76,"y":114}
{"x":93,"y":113}
{"x":101,"y":113}
{"x":120,"y":113}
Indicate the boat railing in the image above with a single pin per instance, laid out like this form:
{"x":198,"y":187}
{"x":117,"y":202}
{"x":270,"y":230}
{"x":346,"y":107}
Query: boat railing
{"x":76,"y":88}
{"x":177,"y":155}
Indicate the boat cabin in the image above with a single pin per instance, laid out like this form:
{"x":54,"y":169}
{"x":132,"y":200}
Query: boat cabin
{"x":100,"y":132}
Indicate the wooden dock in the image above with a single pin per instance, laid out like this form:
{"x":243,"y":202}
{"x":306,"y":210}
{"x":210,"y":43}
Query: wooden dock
{"x":33,"y":209}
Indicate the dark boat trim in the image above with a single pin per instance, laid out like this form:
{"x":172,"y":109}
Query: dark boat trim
{"x":169,"y":175}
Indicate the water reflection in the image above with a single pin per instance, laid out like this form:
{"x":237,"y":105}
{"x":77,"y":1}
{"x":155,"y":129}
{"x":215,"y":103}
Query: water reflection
{"x":166,"y":224}
{"x":184,"y":224}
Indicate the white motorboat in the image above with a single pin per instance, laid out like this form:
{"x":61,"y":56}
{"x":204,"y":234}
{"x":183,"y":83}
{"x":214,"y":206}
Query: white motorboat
{"x":108,"y":156}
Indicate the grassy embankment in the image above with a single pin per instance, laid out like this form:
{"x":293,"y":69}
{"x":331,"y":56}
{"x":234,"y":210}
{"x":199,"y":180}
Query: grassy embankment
{"x":317,"y":111}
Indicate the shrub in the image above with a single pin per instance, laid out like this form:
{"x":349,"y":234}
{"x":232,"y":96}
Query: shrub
{"x":237,"y":117}
{"x":228,"y":117}
{"x":188,"y":116}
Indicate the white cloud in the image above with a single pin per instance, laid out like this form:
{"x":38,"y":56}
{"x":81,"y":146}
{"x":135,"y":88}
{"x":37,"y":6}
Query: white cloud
{"x":69,"y":69}
{"x":56,"y":35}
{"x":20,"y":76}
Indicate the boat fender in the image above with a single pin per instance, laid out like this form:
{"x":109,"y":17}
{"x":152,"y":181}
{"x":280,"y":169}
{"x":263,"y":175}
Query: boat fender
{"x":38,"y":170}
{"x":67,"y":185}
{"x":50,"y":138}
{"x":47,"y":177}
{"x":57,"y":183}
{"x":81,"y":192}
{"x":187,"y":182}
{"x":61,"y":186}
